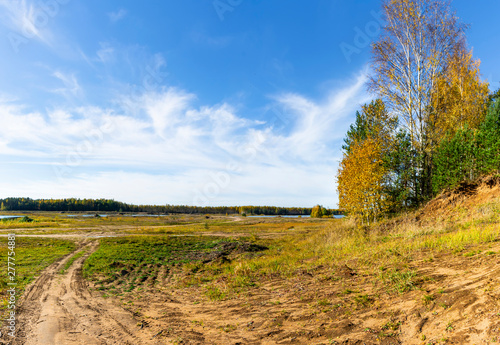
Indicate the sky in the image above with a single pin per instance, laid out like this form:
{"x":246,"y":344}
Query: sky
{"x":192,"y":102}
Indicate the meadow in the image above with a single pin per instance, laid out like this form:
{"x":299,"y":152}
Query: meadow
{"x":236,"y":277}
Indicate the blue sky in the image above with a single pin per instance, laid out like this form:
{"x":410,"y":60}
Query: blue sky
{"x":226,"y":102}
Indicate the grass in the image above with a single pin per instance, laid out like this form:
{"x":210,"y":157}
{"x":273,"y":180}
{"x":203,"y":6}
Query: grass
{"x":127,"y":263}
{"x":336,"y":268}
{"x":426,"y":299}
{"x":386,"y":252}
{"x":173,"y":246}
{"x":131,"y":252}
{"x":32,"y":256}
{"x":399,"y":281}
{"x":214,"y":293}
{"x":71,"y":260}
{"x":28,"y":222}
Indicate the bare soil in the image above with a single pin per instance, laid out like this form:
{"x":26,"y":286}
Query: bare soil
{"x":467,"y":196}
{"x":456,"y":300}
{"x":61,"y":309}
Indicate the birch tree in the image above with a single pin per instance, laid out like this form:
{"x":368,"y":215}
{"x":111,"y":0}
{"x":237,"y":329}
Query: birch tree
{"x":413,"y":50}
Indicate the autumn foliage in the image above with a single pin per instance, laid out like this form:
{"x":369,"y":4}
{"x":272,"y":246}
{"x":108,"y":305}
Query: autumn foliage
{"x":459,"y":96}
{"x":428,"y":124}
{"x":361,"y":181}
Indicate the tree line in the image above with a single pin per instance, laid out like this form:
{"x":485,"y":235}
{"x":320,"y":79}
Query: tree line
{"x":433,"y":122}
{"x":107,"y":205}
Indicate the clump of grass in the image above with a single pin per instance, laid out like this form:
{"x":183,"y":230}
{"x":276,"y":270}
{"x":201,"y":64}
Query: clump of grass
{"x":399,"y":281}
{"x":228,"y":328}
{"x":391,"y":325}
{"x":214,"y":293}
{"x":363,"y":300}
{"x":472,"y":253}
{"x":323,"y":302}
{"x":25,"y":219}
{"x":72,"y":260}
{"x":426,"y":299}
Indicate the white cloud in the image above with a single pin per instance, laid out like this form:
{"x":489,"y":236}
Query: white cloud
{"x":106,"y":53}
{"x":71,"y":86}
{"x":28,"y":18}
{"x":160,"y":148}
{"x":117,"y":15}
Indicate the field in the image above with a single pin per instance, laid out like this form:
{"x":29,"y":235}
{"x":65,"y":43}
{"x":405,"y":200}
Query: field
{"x":417,"y":279}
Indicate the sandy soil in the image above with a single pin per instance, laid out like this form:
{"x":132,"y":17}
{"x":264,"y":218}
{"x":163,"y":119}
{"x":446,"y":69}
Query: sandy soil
{"x":60,"y":309}
{"x":309,"y":308}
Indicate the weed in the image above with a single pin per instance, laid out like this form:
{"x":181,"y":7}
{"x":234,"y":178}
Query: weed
{"x":228,"y":328}
{"x":362,"y":300}
{"x":391,"y":325}
{"x":323,"y":302}
{"x":72,"y":260}
{"x":399,"y":281}
{"x":472,"y":253}
{"x":348,"y":291}
{"x":428,"y":299}
{"x":214,"y":293}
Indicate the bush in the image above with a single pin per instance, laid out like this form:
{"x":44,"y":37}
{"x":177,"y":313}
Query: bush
{"x":25,"y":219}
{"x":319,"y":211}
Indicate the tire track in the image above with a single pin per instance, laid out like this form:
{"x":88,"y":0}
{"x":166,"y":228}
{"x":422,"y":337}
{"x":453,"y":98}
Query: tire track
{"x":61,"y":309}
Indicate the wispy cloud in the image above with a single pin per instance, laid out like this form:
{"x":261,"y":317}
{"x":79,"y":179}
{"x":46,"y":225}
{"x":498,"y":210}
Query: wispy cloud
{"x":106,"y":53}
{"x":27,"y":19}
{"x":167,"y":148}
{"x":71,"y":86}
{"x":20,"y":17}
{"x":117,"y":15}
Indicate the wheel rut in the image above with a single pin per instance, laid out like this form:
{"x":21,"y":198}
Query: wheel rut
{"x":61,"y":309}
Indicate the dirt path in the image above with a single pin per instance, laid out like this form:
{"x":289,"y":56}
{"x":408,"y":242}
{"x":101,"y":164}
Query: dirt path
{"x":60,"y":309}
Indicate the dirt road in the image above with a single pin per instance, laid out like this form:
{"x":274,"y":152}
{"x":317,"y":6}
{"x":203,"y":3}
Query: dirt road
{"x":60,"y":309}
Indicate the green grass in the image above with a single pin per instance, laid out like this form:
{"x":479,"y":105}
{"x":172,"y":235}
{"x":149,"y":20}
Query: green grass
{"x":127,"y":263}
{"x":28,"y":222}
{"x":214,"y":293}
{"x":71,"y":260}
{"x":32,"y":256}
{"x":426,"y":299}
{"x":399,"y":281}
{"x":129,"y":252}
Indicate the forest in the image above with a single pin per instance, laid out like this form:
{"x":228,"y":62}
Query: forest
{"x":106,"y":205}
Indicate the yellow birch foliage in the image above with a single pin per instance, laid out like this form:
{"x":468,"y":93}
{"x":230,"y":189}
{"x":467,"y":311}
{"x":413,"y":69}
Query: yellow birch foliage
{"x":460,"y":97}
{"x":413,"y":49}
{"x":360,"y":180}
